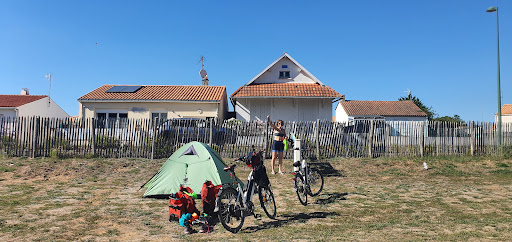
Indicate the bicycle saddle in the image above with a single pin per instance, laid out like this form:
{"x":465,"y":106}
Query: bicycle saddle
{"x":230,"y":168}
{"x":296,"y":164}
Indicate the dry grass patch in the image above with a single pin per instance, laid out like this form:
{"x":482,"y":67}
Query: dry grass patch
{"x":363,"y":199}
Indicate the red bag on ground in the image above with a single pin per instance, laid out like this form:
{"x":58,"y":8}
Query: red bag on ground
{"x":176,"y":206}
{"x":208,"y":195}
{"x":181,"y":203}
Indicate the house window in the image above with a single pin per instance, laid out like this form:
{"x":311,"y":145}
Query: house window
{"x":160,"y":116}
{"x":123,"y":120}
{"x":112,"y":120}
{"x":284,"y":75}
{"x":101,"y":120}
{"x":284,"y":66}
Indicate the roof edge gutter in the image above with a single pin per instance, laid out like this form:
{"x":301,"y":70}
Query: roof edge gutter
{"x":386,"y":116}
{"x":281,"y":97}
{"x":144,"y":101}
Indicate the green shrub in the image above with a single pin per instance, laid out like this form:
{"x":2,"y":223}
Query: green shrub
{"x":7,"y":169}
{"x":56,"y":154}
{"x":107,"y":142}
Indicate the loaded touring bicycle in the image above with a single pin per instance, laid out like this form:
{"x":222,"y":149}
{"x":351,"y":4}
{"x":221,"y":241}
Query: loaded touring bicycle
{"x":234,"y":201}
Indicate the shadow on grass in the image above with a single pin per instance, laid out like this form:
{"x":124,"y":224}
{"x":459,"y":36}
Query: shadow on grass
{"x":327,"y":198}
{"x":326,"y":169}
{"x":289,"y":218}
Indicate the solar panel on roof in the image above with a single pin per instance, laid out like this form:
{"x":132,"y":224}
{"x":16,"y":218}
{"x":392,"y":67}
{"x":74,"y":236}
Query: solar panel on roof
{"x":114,"y":89}
{"x":125,"y":89}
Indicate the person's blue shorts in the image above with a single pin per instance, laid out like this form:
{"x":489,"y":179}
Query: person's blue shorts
{"x":277,"y":146}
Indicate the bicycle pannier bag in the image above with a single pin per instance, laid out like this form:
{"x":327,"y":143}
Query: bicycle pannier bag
{"x":208,"y":195}
{"x":260,"y":176}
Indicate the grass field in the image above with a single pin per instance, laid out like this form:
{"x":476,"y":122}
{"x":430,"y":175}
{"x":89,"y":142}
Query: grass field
{"x":463,"y":198}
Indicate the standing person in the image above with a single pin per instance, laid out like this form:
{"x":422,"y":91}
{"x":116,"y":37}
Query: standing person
{"x":277,"y":144}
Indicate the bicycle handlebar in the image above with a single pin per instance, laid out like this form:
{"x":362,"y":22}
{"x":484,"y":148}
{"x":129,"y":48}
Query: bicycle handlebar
{"x":303,"y":149}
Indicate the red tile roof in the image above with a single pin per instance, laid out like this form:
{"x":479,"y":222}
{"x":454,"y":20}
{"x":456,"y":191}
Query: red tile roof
{"x":153,"y":92}
{"x":286,"y":90}
{"x":506,"y":109}
{"x":382,"y":108}
{"x":18,"y":100}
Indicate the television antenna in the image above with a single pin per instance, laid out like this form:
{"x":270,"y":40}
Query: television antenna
{"x":408,"y":92}
{"x":203,"y":73}
{"x":49,"y":77}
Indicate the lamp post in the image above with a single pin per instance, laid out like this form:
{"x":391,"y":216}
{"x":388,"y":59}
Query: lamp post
{"x":490,"y":10}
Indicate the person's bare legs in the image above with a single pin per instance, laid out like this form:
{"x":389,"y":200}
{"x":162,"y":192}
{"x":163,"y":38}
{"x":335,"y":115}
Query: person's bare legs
{"x":281,"y":163}
{"x":274,"y":154}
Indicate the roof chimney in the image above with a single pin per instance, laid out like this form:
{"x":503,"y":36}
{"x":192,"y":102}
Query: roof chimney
{"x":24,"y":91}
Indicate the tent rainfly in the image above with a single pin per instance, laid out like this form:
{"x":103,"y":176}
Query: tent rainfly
{"x":191,"y":165}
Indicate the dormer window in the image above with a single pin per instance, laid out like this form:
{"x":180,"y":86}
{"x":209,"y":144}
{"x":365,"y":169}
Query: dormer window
{"x":284,"y":75}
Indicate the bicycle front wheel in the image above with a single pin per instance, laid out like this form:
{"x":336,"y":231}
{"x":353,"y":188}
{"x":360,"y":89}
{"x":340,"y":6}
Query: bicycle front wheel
{"x":230,"y":213}
{"x":267,"y":201}
{"x":302,"y":194}
{"x":315,"y":182}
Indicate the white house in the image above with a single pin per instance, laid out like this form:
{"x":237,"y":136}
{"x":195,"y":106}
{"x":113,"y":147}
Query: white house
{"x":399,"y":115}
{"x":284,"y":90}
{"x":347,"y":111}
{"x":154,"y":101}
{"x":25,"y":105}
{"x":506,"y":114}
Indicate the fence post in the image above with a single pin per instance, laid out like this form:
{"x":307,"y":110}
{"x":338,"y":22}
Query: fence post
{"x":93,"y":136}
{"x":211,"y":132}
{"x":265,"y":138}
{"x":422,"y":139}
{"x":153,"y":138}
{"x":35,"y":135}
{"x":317,"y":138}
{"x":472,"y":137}
{"x":438,"y":137}
{"x":370,"y":145}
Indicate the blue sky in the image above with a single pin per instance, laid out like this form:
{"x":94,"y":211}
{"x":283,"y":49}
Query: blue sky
{"x":443,"y":51}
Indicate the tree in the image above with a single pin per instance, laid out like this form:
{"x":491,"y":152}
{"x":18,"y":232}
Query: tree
{"x":428,"y":110}
{"x":455,"y":119}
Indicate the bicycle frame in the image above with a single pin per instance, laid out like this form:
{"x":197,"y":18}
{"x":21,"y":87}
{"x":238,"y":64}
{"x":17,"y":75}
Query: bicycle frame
{"x":236,"y":203}
{"x":246,"y":192}
{"x":303,"y":168}
{"x":302,"y":180}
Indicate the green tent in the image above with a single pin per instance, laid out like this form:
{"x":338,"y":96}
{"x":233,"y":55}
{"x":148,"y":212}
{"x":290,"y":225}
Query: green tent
{"x":191,"y":165}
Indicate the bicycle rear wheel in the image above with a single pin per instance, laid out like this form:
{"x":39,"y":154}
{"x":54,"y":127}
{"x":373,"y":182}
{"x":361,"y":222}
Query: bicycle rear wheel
{"x":315,"y":182}
{"x":267,"y":201}
{"x":302,"y":194}
{"x":230,"y":213}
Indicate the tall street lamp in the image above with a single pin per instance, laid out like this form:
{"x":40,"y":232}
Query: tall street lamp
{"x":490,"y":10}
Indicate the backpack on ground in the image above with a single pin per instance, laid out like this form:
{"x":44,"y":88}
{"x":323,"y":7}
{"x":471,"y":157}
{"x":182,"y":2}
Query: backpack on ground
{"x":181,"y":203}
